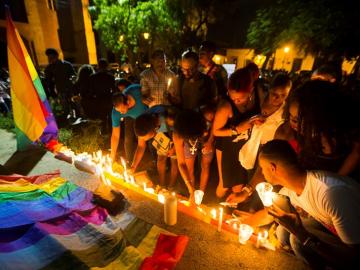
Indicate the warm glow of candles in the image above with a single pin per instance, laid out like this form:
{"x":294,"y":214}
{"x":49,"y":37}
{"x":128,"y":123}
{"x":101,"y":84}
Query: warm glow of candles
{"x":245,"y":231}
{"x":261,"y":238}
{"x":161,"y":198}
{"x":213,"y":213}
{"x":221,"y":213}
{"x":264,"y":190}
{"x":198,"y":194}
{"x":169,"y":83}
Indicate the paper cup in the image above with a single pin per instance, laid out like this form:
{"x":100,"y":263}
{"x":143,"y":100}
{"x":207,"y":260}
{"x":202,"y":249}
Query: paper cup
{"x":264,"y":190}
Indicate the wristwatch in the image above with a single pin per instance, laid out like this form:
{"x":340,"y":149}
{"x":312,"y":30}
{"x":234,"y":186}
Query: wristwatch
{"x":249,"y":189}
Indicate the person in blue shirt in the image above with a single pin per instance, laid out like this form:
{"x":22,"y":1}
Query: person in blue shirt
{"x":126,"y":105}
{"x":156,"y":124}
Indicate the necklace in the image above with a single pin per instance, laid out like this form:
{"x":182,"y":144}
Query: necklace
{"x":193,"y":148}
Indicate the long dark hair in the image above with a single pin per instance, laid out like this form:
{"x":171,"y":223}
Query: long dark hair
{"x":323,"y":113}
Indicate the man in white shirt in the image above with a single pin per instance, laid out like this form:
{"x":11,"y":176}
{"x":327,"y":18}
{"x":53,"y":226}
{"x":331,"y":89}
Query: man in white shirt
{"x":330,"y":235}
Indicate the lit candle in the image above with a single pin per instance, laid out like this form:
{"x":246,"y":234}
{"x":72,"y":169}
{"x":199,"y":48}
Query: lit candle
{"x":169,"y":83}
{"x":245,"y":231}
{"x":198,"y":194}
{"x":261,"y":238}
{"x":161,"y":198}
{"x":213,"y":213}
{"x":170,"y":210}
{"x":264,"y":190}
{"x":221,"y":212}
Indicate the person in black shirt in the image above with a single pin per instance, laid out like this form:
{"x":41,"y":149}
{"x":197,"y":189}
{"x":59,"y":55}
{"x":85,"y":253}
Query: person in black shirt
{"x":58,"y":75}
{"x":196,"y":89}
{"x":101,"y":87}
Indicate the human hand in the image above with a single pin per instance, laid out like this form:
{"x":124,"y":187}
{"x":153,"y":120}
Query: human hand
{"x":237,"y":197}
{"x":289,"y":220}
{"x":171,"y":152}
{"x":130,"y":171}
{"x":257,"y":120}
{"x":207,"y":148}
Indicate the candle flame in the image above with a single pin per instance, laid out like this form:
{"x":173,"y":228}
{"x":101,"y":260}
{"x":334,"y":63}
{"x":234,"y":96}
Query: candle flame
{"x":213,"y":213}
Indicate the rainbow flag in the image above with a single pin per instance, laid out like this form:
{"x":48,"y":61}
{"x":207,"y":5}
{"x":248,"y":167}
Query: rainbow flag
{"x":47,"y":222}
{"x":33,"y":117}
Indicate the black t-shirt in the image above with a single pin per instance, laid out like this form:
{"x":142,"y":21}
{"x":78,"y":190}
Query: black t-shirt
{"x":101,"y":85}
{"x":197,"y":92}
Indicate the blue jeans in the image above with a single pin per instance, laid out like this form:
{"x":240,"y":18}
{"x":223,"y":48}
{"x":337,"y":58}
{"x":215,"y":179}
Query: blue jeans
{"x":307,"y":255}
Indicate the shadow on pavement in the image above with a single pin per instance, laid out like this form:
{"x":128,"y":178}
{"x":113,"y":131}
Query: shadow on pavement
{"x":22,"y":162}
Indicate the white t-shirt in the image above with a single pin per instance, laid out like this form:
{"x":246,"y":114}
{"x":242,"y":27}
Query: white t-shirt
{"x":332,"y":200}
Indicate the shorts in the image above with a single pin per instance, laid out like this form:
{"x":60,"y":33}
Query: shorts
{"x":159,"y":153}
{"x":188,"y":154}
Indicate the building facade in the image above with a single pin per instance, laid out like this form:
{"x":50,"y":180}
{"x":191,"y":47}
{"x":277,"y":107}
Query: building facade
{"x":60,"y":24}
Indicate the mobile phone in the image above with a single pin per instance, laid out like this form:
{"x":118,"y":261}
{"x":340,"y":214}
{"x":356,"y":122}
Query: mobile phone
{"x":283,"y":202}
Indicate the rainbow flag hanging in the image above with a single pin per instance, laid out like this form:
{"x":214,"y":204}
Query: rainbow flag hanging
{"x":33,"y":117}
{"x":47,"y":222}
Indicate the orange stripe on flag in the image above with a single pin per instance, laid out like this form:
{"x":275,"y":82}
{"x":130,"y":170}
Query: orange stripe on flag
{"x":28,"y":114}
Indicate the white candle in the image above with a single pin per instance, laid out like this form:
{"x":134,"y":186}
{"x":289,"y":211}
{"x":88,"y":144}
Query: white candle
{"x":245,"y":231}
{"x":213,"y":213}
{"x":261,"y":238}
{"x":264,"y":190}
{"x":198,"y":194}
{"x":170,"y":210}
{"x":221,"y":212}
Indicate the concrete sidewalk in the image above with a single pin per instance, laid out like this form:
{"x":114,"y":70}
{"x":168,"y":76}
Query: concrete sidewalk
{"x":207,"y":248}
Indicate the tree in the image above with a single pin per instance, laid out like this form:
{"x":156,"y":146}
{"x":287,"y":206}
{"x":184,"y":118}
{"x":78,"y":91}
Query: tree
{"x":320,"y":27}
{"x":122,"y":24}
{"x":172,"y":24}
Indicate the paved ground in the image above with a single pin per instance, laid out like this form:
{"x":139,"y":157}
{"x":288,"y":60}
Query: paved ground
{"x":207,"y":248}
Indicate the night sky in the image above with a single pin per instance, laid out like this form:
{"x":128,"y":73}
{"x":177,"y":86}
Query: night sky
{"x":234,"y":19}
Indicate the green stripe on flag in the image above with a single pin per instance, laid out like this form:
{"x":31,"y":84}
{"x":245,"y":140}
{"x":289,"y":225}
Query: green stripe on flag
{"x":39,"y":88}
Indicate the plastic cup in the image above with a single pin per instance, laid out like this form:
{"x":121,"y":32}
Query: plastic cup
{"x":245,"y":231}
{"x":264,"y":190}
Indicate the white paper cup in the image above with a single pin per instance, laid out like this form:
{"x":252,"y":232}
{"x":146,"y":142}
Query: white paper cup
{"x":264,"y":190}
{"x":245,"y":231}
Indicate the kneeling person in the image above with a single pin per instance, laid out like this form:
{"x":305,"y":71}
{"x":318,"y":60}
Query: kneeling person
{"x":156,"y":124}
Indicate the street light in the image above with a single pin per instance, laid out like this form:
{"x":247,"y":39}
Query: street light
{"x":121,"y":38}
{"x":146,"y":35}
{"x":286,"y":51}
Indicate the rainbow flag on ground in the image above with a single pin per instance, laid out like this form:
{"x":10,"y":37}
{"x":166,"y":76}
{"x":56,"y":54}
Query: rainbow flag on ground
{"x":47,"y":222}
{"x":33,"y":117}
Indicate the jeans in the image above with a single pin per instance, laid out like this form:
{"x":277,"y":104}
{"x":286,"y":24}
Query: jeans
{"x":306,"y":254}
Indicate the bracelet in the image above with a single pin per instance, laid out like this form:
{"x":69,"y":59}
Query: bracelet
{"x":249,"y":189}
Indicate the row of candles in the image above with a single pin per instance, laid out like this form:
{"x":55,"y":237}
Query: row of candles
{"x":102,"y":165}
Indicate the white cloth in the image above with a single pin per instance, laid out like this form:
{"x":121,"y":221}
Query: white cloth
{"x":260,"y":135}
{"x":332,"y":200}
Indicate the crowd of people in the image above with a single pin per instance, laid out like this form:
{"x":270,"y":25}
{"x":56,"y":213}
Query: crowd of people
{"x":300,"y":135}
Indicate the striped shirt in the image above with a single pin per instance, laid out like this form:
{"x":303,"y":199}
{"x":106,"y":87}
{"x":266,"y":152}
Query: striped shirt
{"x":156,"y":89}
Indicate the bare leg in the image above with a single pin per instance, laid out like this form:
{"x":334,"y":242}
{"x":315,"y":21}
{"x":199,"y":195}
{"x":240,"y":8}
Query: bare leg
{"x":161,"y":167}
{"x":205,"y":171}
{"x":190,"y":164}
{"x":174,"y":172}
{"x":220,"y":190}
